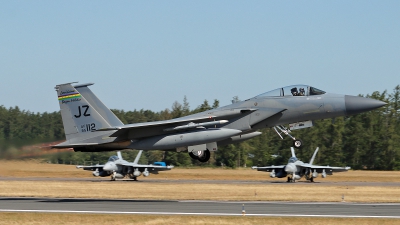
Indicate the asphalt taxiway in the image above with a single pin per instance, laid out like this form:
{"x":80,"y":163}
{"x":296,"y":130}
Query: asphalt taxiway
{"x":209,"y":208}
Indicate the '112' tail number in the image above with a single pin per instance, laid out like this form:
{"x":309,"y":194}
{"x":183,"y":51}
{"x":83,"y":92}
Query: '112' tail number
{"x":88,"y":127}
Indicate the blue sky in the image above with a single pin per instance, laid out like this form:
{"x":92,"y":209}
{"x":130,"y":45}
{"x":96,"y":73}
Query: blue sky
{"x":148,"y":54}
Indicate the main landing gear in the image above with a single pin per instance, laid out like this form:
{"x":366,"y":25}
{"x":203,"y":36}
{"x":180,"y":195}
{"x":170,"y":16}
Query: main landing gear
{"x":309,"y":176}
{"x":297,"y":143}
{"x":202,"y":156}
{"x":133,"y":177}
{"x":291,"y":179}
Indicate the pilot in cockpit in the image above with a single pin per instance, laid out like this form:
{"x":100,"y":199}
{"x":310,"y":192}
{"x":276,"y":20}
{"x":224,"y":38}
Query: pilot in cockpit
{"x":294,"y":91}
{"x":302,"y":92}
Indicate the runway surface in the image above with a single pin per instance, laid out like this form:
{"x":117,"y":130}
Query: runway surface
{"x":210,"y":208}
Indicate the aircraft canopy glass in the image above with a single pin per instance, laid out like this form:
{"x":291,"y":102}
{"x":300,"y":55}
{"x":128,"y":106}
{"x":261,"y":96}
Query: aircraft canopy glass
{"x":292,"y":159}
{"x":293,"y":90}
{"x":274,"y":93}
{"x":315,"y":91}
{"x":113,"y":158}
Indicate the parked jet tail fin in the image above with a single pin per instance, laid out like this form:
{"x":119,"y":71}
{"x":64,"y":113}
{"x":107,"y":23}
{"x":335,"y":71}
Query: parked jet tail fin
{"x":119,"y":155}
{"x":313,"y":157}
{"x":80,"y":116}
{"x":292,"y":150}
{"x":138,"y":157}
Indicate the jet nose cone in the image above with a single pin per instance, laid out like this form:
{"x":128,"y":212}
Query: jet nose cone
{"x":108,"y":167}
{"x":290,"y":168}
{"x":356,"y":104}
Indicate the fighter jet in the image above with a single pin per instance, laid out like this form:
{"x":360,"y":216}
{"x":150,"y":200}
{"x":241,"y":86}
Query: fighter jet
{"x":116,"y":167}
{"x":90,"y":126}
{"x":296,"y":169}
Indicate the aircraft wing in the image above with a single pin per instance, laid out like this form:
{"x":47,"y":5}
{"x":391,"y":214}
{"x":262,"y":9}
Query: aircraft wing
{"x":268,"y":168}
{"x":91,"y":168}
{"x":156,"y":126}
{"x":150,"y":168}
{"x":328,"y":169}
{"x":139,"y":130}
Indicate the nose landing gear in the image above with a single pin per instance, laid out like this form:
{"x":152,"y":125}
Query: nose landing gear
{"x":297,"y":143}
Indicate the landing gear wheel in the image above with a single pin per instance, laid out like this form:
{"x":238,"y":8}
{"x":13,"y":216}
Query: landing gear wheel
{"x":113,"y":177}
{"x":131,"y":176}
{"x":193,"y":156}
{"x":298,"y":143}
{"x":205,"y":156}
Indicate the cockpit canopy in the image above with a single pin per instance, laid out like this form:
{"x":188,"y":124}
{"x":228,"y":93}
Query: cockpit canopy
{"x":293,"y":90}
{"x":292,"y":160}
{"x":113,"y":158}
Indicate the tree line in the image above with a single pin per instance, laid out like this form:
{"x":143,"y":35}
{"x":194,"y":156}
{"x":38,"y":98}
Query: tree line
{"x":369,"y":140}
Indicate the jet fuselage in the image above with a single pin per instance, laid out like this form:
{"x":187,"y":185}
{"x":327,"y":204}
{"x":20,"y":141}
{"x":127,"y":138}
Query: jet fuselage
{"x":90,"y":126}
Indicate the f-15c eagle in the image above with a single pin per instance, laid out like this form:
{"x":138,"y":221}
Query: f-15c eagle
{"x":91,"y":127}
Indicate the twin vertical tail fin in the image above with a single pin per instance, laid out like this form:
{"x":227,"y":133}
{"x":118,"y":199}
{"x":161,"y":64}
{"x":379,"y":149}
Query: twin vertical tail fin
{"x":292,"y":150}
{"x":119,"y":155}
{"x":82,"y":112}
{"x":138,"y":157}
{"x":313,"y":157}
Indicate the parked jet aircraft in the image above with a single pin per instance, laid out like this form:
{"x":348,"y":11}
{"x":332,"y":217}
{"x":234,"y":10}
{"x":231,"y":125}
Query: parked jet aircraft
{"x":296,"y":169}
{"x":119,"y":168}
{"x":90,"y":126}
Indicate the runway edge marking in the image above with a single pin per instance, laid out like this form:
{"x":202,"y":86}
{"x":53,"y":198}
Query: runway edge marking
{"x":194,"y":214}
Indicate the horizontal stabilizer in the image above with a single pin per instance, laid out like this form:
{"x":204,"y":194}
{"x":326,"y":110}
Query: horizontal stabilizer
{"x":75,"y":145}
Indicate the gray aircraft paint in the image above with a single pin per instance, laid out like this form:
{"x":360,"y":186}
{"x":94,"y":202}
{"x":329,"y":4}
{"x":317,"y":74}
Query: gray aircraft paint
{"x":117,"y":167}
{"x":90,"y":126}
{"x":169,"y":141}
{"x":92,"y":99}
{"x":80,"y":118}
{"x":298,"y":169}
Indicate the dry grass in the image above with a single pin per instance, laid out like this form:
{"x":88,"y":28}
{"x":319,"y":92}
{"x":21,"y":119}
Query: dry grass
{"x":204,"y":191}
{"x":199,"y":191}
{"x":50,"y":218}
{"x":32,"y":168}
